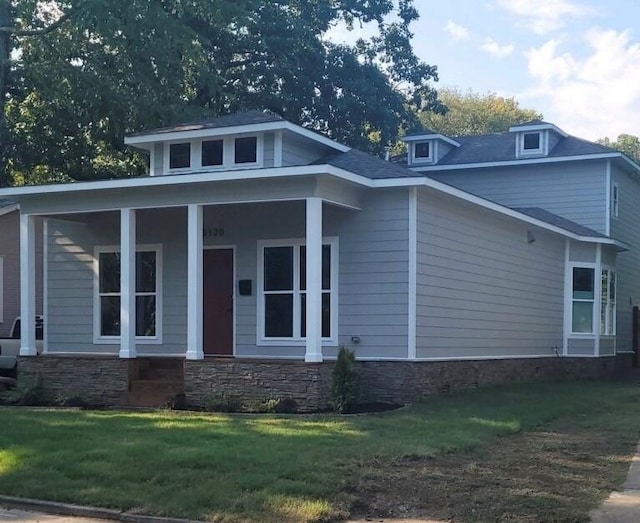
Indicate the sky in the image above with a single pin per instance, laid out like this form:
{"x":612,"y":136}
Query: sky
{"x":575,"y":61}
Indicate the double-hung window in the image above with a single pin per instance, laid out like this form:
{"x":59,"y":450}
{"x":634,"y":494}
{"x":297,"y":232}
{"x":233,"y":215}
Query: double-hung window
{"x":608,"y":302}
{"x":582,"y":300}
{"x":283,"y":291}
{"x":107,"y":305}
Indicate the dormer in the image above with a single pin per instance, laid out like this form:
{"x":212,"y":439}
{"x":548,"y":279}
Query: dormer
{"x":249,"y":140}
{"x":427,"y":147}
{"x":536,"y":138}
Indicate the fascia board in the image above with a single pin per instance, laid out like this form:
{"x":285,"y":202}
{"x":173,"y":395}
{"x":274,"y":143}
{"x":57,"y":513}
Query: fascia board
{"x":523,"y":161}
{"x":9,"y":209}
{"x":144,"y":141}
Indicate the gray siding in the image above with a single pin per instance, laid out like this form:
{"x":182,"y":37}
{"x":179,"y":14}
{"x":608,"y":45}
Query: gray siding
{"x":483,"y":291}
{"x":625,"y":228}
{"x":575,"y":190}
{"x":10,"y":253}
{"x":581,"y":347}
{"x":373,"y":254}
{"x":298,"y":151}
{"x":268,"y":154}
{"x":158,"y":159}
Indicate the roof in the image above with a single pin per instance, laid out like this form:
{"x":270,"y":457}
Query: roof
{"x":559,"y":221}
{"x":7,"y":206}
{"x":227,"y":120}
{"x":366,"y":165}
{"x":490,"y":148}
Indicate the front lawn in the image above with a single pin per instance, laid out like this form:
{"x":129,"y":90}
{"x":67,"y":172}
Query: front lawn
{"x":532,"y":449}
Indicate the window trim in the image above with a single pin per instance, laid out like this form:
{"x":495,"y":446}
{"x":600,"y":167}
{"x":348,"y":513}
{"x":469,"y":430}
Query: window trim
{"x":423,"y":159}
{"x":228,"y":154}
{"x":1,"y":289}
{"x":98,"y":339}
{"x":296,"y":341}
{"x":595,"y":319}
{"x":615,"y":200}
{"x":541,"y":149}
{"x":610,"y":271}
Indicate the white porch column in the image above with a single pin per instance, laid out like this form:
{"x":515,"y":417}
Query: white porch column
{"x":127,"y":283}
{"x":194,"y":283}
{"x":314,"y":280}
{"x":27,"y":285}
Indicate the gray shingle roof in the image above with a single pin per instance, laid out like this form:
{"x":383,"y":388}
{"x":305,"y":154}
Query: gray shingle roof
{"x":559,"y":221}
{"x":502,"y":148}
{"x":367,"y":165}
{"x":5,"y":202}
{"x":227,"y":120}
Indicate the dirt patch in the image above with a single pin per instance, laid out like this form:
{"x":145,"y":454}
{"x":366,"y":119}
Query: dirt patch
{"x":553,"y":476}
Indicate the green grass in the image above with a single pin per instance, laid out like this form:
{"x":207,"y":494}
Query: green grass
{"x":274,"y":468}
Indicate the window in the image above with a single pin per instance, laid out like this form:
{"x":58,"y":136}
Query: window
{"x":531,"y":142}
{"x":179,"y":155}
{"x":1,"y":289}
{"x":212,"y":152}
{"x":422,"y":151}
{"x":582,"y":300}
{"x":608,"y":303}
{"x":246,"y":150}
{"x":614,"y":199}
{"x":284,"y":290}
{"x":147,"y":293}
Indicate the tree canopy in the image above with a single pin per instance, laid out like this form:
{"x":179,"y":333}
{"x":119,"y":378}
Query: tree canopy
{"x":626,"y":143}
{"x":471,"y":113}
{"x":79,"y":74}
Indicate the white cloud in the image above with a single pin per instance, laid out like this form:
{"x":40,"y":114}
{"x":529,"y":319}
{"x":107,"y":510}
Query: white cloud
{"x":456,"y":31}
{"x":544,"y":16}
{"x":593,"y":96}
{"x":494,"y":48}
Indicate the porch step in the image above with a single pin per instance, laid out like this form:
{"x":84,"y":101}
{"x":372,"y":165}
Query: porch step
{"x":152,"y":393}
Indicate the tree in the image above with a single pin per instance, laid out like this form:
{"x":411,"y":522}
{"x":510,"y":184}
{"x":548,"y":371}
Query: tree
{"x":124,"y":65}
{"x":625,"y":143}
{"x":471,"y":113}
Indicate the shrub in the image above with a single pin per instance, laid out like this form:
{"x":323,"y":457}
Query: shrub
{"x":24,"y":393}
{"x":345,"y":381}
{"x":222,"y":402}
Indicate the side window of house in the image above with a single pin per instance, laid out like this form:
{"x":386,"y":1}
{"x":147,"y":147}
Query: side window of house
{"x":284,"y":291}
{"x":1,"y":289}
{"x":179,"y":155}
{"x":614,"y":199}
{"x":582,"y":300}
{"x":147,"y":283}
{"x":608,"y":303}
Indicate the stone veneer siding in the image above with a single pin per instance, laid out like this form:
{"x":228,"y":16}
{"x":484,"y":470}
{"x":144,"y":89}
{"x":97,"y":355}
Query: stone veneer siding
{"x":97,"y":380}
{"x":103,"y":380}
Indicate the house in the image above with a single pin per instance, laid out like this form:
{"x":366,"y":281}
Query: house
{"x":10,"y":266}
{"x":256,"y":248}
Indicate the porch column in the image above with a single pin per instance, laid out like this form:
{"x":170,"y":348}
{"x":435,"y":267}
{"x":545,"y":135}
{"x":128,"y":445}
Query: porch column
{"x":27,"y":285}
{"x":194,"y":283}
{"x":314,"y":280}
{"x":127,"y":283}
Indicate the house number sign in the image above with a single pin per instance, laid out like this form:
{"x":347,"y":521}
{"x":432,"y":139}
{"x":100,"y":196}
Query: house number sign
{"x":212,"y":232}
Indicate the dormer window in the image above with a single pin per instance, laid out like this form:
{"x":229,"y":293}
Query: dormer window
{"x":246,"y":150}
{"x":422,"y":152}
{"x":180,"y":155}
{"x":531,"y":142}
{"x":212,"y":152}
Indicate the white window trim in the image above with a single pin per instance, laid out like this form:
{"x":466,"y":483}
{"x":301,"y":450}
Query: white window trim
{"x":1,"y":289}
{"x":595,"y":318}
{"x":611,"y":271}
{"x":542,"y":149}
{"x":615,"y":200}
{"x":423,"y":159}
{"x":228,"y":154}
{"x":298,"y":341}
{"x":114,"y":340}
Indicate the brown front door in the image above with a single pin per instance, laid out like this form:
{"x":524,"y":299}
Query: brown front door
{"x":217,"y":300}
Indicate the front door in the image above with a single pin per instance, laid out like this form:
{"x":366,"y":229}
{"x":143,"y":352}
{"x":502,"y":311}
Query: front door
{"x":217,"y":301}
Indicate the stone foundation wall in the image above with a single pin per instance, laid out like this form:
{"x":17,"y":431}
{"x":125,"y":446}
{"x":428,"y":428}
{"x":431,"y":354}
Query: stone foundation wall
{"x":104,"y":380}
{"x":96,"y":380}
